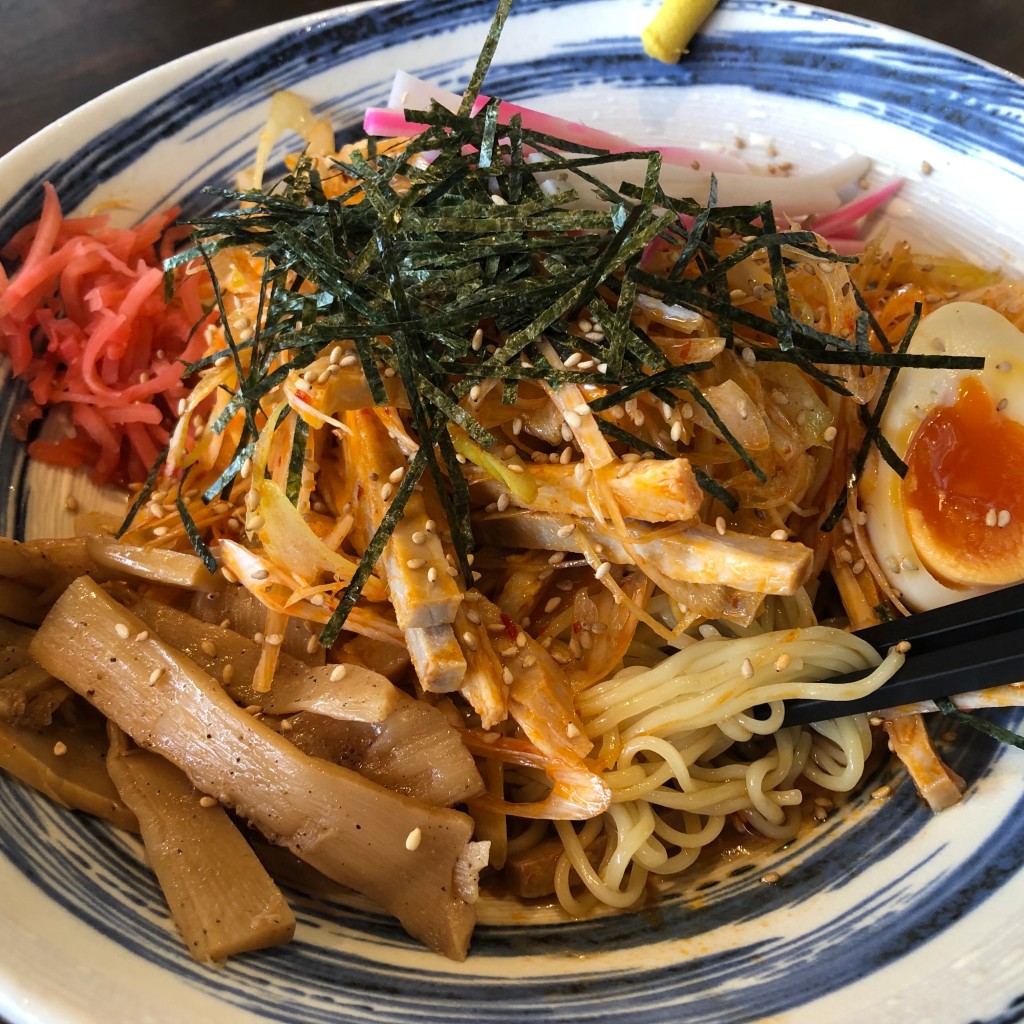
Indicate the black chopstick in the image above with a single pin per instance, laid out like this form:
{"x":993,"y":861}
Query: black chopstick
{"x":974,"y":619}
{"x":959,"y":648}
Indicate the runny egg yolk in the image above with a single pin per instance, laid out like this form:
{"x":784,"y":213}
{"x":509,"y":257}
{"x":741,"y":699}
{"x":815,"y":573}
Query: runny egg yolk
{"x":962,"y":496}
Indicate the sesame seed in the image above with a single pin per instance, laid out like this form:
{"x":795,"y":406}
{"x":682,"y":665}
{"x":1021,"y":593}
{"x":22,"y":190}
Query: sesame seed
{"x":207,"y":801}
{"x":273,"y":639}
{"x":517,"y":426}
{"x":779,"y":534}
{"x":430,"y":526}
{"x":520,"y":639}
{"x":720,"y":526}
{"x":254,"y":524}
{"x":991,"y":517}
{"x":858,"y":567}
{"x":415,"y":563}
{"x":122,"y":631}
{"x":228,"y":575}
{"x":770,"y":878}
{"x":881,"y":793}
{"x":246,"y":469}
{"x":573,"y":419}
{"x":432,"y":575}
{"x":209,"y":648}
{"x":529,"y":661}
{"x":514,"y":467}
{"x":259,"y":574}
{"x":566,"y":431}
{"x":1004,"y":366}
{"x":473,"y":616}
{"x":556,"y":557}
{"x":602,"y":367}
{"x":602,"y":570}
{"x":506,"y":676}
{"x":349,"y":360}
{"x":552,"y":604}
{"x":1004,"y":518}
{"x":594,"y":336}
{"x":782,"y":662}
{"x":227,"y":673}
{"x":60,"y":748}
{"x":830,"y":434}
{"x":502,"y":503}
{"x":676,"y":431}
{"x":747,"y":669}
{"x":386,"y":491}
{"x":338,"y":673}
{"x":312,"y":644}
{"x":572,"y":360}
{"x":396,"y":474}
{"x":142,"y":636}
{"x":565,"y":531}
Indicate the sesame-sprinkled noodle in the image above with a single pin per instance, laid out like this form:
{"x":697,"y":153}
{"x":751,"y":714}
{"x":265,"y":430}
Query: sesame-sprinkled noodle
{"x":665,"y":731}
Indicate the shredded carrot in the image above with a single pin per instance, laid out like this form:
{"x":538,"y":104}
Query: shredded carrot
{"x":85,"y":322}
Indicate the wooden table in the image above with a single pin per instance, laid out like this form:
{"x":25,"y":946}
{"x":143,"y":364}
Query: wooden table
{"x":56,"y":54}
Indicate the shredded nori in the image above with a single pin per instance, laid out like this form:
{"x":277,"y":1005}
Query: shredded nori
{"x":997,"y":732}
{"x":475,"y":239}
{"x":147,"y":490}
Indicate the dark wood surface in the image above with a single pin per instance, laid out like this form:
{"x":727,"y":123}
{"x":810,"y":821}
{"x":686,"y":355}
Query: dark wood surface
{"x":56,"y":54}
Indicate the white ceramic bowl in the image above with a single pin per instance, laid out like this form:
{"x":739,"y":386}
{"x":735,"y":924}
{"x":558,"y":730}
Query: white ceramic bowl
{"x":884,"y":912}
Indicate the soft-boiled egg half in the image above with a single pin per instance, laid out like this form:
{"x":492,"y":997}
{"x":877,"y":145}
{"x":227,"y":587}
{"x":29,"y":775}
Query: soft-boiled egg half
{"x":954,"y":526}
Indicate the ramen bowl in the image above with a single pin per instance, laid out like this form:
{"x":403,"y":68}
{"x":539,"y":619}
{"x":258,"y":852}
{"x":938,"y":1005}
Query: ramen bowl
{"x":882,"y":910}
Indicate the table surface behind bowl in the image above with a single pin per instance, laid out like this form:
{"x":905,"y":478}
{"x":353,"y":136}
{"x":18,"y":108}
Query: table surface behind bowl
{"x":56,"y":54}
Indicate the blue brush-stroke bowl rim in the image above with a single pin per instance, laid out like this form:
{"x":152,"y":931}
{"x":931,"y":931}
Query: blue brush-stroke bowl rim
{"x":904,"y":80}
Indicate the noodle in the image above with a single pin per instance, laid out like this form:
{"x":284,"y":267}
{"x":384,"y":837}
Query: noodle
{"x":675,"y":730}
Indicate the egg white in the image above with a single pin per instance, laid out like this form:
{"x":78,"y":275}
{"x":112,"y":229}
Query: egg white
{"x":960,"y":329}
